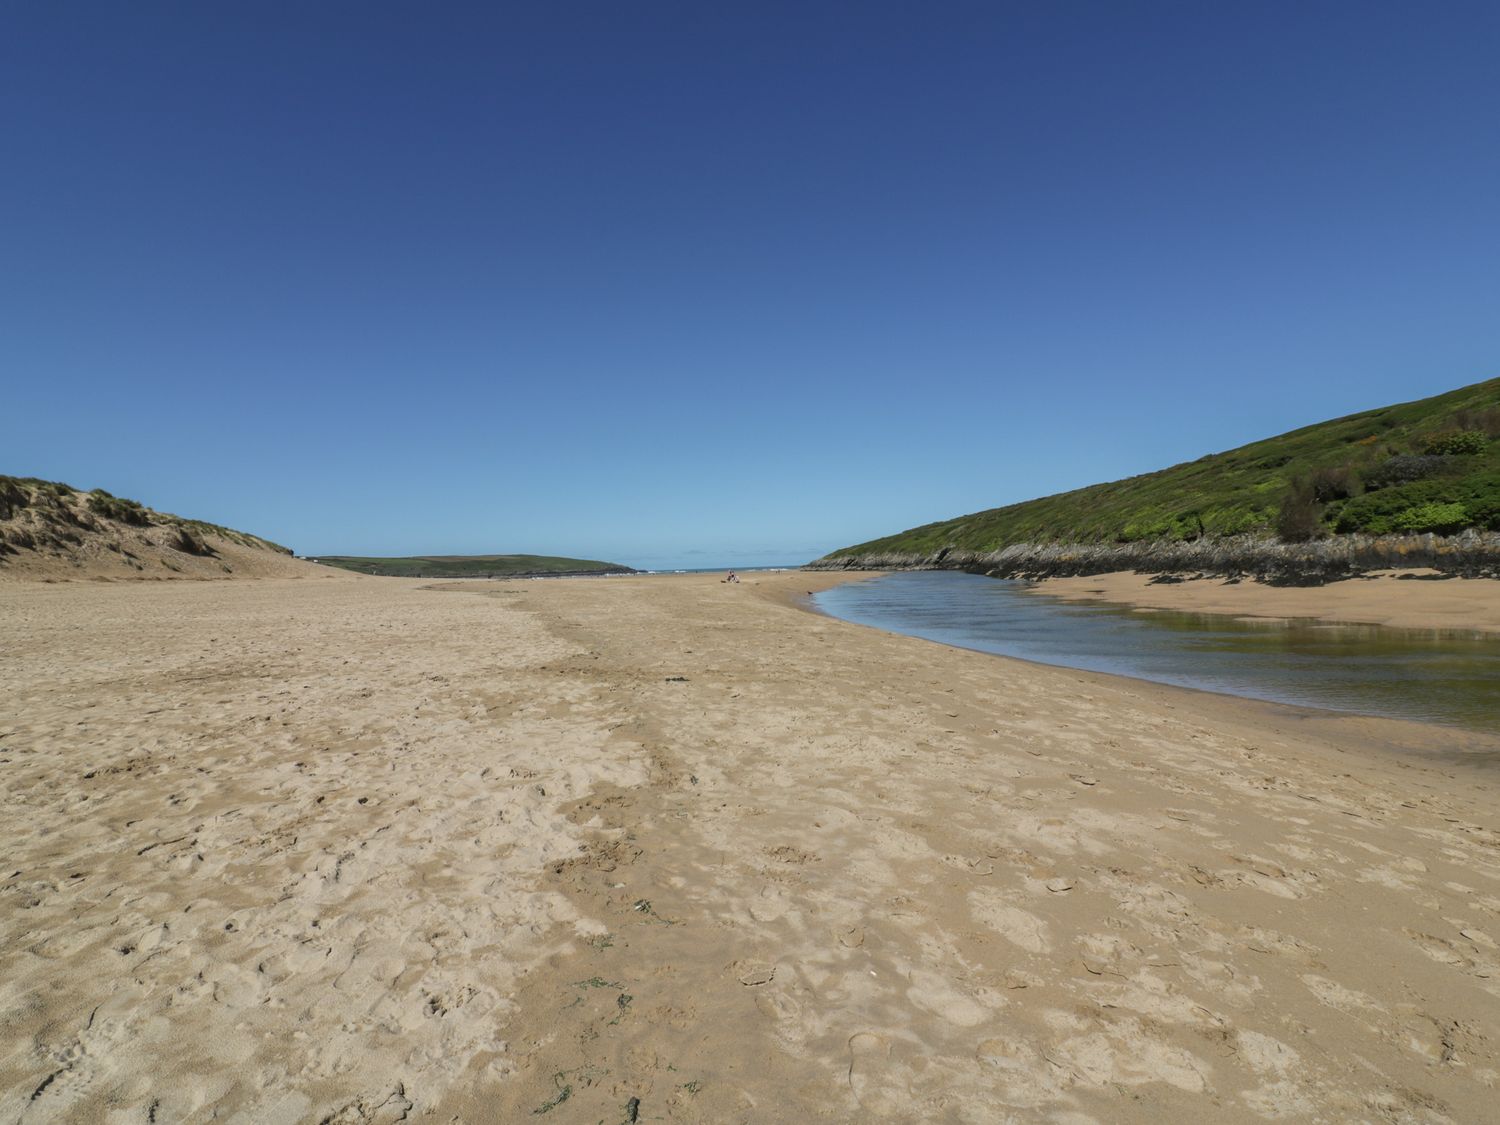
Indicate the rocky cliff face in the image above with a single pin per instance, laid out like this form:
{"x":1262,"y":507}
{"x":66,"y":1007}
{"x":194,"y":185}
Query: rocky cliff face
{"x":1470,"y":554}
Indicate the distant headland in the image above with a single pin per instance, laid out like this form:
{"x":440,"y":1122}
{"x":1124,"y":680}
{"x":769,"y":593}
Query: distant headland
{"x":473,"y":566}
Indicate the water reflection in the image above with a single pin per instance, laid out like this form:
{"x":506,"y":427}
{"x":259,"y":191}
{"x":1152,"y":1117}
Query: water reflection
{"x":1432,"y":675}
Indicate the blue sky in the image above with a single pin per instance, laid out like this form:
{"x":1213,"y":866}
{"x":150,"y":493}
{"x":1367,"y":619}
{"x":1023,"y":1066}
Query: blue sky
{"x":677,"y":283}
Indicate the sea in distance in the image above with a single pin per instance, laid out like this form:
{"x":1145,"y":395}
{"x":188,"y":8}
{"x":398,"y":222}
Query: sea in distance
{"x":1429,"y":675}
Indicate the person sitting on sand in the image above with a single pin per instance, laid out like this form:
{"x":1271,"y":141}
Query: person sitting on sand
{"x":732,"y":577}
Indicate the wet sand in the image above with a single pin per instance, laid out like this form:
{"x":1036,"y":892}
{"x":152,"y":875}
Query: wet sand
{"x":1409,"y":599}
{"x":366,"y":850}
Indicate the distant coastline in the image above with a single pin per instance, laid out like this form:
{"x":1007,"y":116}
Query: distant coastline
{"x":472,"y":566}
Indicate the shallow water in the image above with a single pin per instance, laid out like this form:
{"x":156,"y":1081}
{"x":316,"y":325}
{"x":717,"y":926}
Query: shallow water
{"x":1431,"y":675}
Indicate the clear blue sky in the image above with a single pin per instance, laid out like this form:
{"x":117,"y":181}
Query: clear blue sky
{"x":666,"y":283}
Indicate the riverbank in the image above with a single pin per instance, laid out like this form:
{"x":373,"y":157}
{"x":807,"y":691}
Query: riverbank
{"x":1312,"y":562}
{"x":484,"y":851}
{"x":1404,"y":599}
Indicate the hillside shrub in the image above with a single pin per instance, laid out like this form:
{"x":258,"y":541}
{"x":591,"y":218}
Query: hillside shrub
{"x":1435,"y":517}
{"x":1486,"y":420}
{"x":125,"y":511}
{"x":12,"y":498}
{"x":1301,"y":516}
{"x":1237,"y":521}
{"x":1375,"y":513}
{"x":1458,"y":443}
{"x":1404,"y":469}
{"x":1485,"y":513}
{"x":189,"y":544}
{"x":1146,"y":525}
{"x":1426,"y":505}
{"x":1333,"y":483}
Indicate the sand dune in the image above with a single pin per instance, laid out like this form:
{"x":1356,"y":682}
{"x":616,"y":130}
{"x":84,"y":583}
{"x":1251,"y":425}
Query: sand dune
{"x":52,"y":532}
{"x":669,"y":849}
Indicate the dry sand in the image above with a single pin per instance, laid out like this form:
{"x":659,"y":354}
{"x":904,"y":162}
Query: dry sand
{"x":1407,"y":599}
{"x":368,"y":850}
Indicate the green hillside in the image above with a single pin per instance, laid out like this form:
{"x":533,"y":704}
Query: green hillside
{"x":1431,"y":465}
{"x":472,"y":566}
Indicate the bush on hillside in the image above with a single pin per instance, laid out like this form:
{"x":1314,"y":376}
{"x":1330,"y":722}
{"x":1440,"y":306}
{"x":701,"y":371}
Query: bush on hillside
{"x":12,"y":498}
{"x":1485,"y":513}
{"x":1404,"y":469}
{"x":1333,"y":483}
{"x":1458,"y":443}
{"x":1301,"y":515}
{"x":1485,"y":420}
{"x":1146,"y":525}
{"x":126,"y":511}
{"x":1237,"y":521}
{"x":189,"y":544}
{"x":1426,"y":503}
{"x":1440,"y":518}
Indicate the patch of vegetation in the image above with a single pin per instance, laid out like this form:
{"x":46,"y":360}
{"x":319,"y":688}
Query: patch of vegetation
{"x":1459,"y":443}
{"x":564,"y":1092}
{"x":596,"y":982}
{"x":189,"y":544}
{"x":243,"y":538}
{"x":12,"y":497}
{"x":1430,"y":465}
{"x":124,"y":511}
{"x":586,"y":1076}
{"x":472,"y":566}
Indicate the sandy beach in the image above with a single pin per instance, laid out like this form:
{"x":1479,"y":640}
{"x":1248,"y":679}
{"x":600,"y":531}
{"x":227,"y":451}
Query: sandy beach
{"x":1404,"y":599}
{"x":667,"y":849}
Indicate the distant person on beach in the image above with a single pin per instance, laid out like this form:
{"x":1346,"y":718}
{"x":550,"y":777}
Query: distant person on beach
{"x":732,"y":577}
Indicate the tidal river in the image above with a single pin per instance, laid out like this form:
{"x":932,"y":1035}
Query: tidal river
{"x":1434,"y":676}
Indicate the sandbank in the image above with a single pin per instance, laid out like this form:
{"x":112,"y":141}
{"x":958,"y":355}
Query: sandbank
{"x":666,"y":848}
{"x":1405,"y":599}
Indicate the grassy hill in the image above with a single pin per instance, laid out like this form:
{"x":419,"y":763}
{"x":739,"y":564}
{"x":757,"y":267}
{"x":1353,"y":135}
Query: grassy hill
{"x":472,"y":566}
{"x":49,"y":529}
{"x":1426,"y":466}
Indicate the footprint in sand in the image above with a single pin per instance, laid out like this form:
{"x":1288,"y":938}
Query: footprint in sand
{"x":933,"y":993}
{"x":753,"y":974}
{"x":872,"y":1076}
{"x":778,"y":1005}
{"x":71,"y":1073}
{"x":1427,"y":1036}
{"x":1022,"y":1078}
{"x":1346,"y":1000}
{"x":1438,"y":949}
{"x":770,"y":905}
{"x":1017,"y":926}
